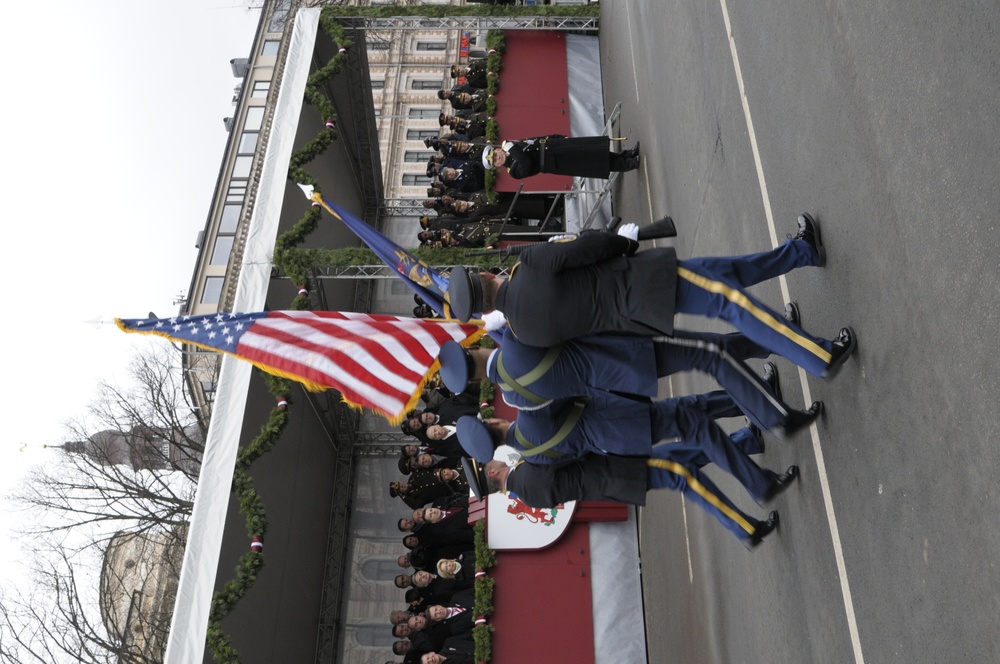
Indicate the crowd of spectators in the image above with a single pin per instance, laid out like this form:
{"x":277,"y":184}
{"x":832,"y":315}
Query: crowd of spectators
{"x":464,"y":214}
{"x":438,"y":564}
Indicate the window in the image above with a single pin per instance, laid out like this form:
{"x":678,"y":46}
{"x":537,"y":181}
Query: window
{"x":421,"y":134}
{"x":370,"y":636}
{"x":380,"y":569}
{"x":414,"y":180}
{"x":255,"y":118}
{"x":378,"y":84}
{"x":270,"y":47}
{"x":230,"y":218}
{"x":280,"y":16}
{"x":260,"y":89}
{"x":424,"y":113}
{"x":248,"y":143}
{"x":431,"y":46}
{"x":223,"y":248}
{"x":416,"y":157}
{"x":237,"y":192}
{"x":378,"y":46}
{"x":425,"y":84}
{"x":213,"y":289}
{"x":241,"y":167}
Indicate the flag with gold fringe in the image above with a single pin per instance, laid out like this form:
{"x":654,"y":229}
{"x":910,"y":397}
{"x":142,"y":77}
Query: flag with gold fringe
{"x":375,"y":361}
{"x":427,"y":282}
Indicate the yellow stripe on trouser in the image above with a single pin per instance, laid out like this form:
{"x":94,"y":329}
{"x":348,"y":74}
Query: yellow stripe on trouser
{"x":765,"y":317}
{"x":702,"y":490}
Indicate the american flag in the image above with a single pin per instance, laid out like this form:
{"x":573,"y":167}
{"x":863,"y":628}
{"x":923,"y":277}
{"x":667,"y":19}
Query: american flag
{"x":375,"y":361}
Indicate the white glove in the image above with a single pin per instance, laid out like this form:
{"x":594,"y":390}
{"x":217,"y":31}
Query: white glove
{"x":631,"y":231}
{"x":507,"y":455}
{"x":494,"y":320}
{"x":562,"y":238}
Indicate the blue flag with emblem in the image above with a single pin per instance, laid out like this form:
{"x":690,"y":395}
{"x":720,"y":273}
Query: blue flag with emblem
{"x":430,"y":284}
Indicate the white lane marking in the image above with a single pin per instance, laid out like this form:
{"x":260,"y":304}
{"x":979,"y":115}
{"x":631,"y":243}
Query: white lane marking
{"x":635,"y":81}
{"x":687,"y":540}
{"x":631,"y":50}
{"x":684,"y":512}
{"x":838,"y":548}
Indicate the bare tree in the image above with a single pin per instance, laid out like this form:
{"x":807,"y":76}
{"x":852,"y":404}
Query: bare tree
{"x":63,"y":620}
{"x":136,"y":469}
{"x":120,"y":491}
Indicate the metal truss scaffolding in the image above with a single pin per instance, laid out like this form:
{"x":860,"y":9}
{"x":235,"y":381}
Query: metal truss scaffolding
{"x":344,"y":422}
{"x":567,"y":23}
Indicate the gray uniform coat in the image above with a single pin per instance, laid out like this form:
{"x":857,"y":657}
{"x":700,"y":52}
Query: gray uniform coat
{"x":595,"y":477}
{"x":592,"y":285}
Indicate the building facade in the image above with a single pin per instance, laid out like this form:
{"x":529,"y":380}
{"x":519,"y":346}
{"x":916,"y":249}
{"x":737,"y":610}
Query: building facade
{"x":406,"y":68}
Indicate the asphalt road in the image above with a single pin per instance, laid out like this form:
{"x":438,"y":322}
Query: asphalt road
{"x":881,"y":120}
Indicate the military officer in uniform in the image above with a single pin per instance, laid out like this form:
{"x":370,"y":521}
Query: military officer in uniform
{"x":615,"y":478}
{"x":529,"y":376}
{"x":599,"y":283}
{"x":474,"y":73}
{"x":579,"y":156}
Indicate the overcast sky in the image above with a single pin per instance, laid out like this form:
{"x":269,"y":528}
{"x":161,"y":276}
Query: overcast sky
{"x":112,"y":139}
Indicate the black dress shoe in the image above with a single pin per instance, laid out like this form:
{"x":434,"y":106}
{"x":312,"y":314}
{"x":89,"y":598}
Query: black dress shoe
{"x":798,"y":419}
{"x":634,"y":152}
{"x":771,"y":378}
{"x":762,"y":531}
{"x":620,"y":163}
{"x":781,"y":482}
{"x":809,"y":231}
{"x":757,"y":433}
{"x":792,"y":314}
{"x":843,"y":346}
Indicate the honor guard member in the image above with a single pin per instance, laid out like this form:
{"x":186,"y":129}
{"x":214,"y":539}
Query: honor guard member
{"x":674,"y":466}
{"x":607,"y":423}
{"x":599,"y":283}
{"x":529,"y":376}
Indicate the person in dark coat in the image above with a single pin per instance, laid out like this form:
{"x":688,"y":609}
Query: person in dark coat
{"x":579,"y":156}
{"x":599,"y":283}
{"x":474,"y":73}
{"x":464,"y":98}
{"x":402,"y":491}
{"x":456,"y":650}
{"x":467,"y":179}
{"x":436,"y":590}
{"x":426,"y":636}
{"x":426,"y":484}
{"x":453,"y":618}
{"x":452,"y":529}
{"x":625,"y":480}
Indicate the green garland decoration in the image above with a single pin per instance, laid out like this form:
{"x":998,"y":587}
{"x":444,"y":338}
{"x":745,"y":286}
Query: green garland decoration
{"x":301,"y":260}
{"x":483,"y":604}
{"x":252,"y":507}
{"x":486,"y":393}
{"x":494,"y":42}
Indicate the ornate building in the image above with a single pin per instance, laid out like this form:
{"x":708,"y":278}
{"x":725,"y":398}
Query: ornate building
{"x":138,"y":587}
